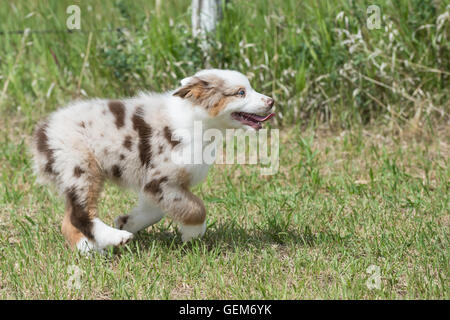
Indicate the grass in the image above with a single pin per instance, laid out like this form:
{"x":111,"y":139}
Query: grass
{"x":364,"y":155}
{"x":317,"y":59}
{"x":339,"y":204}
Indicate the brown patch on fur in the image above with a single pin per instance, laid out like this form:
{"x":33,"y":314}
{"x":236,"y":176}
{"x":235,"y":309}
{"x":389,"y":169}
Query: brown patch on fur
{"x":122,"y":156}
{"x":127,"y":143}
{"x":186,"y":208}
{"x":209,"y":91}
{"x":117,"y":108}
{"x":193,"y":211}
{"x":183,"y":206}
{"x":161,"y":149}
{"x":96,"y":184}
{"x":183,"y":178}
{"x":83,"y":211}
{"x":122,"y":221}
{"x":154,"y":186}
{"x":41,"y":138}
{"x":197,"y":89}
{"x":70,"y":232}
{"x":145,"y":132}
{"x":168,"y":136}
{"x":116,"y":171}
{"x":220,"y":105}
{"x":81,"y":124}
{"x":79,"y":216}
{"x":77,"y":171}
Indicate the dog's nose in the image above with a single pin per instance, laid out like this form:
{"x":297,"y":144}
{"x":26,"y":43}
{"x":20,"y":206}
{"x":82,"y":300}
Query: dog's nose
{"x":270,"y":102}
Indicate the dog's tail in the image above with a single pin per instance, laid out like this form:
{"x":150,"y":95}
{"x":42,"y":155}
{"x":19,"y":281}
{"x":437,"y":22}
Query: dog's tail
{"x":42,"y":154}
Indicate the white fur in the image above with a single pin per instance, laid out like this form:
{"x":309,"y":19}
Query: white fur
{"x":141,"y":217}
{"x":85,"y":246}
{"x":106,"y":236}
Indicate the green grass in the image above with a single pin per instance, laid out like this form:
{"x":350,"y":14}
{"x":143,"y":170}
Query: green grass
{"x":364,"y":156}
{"x":338,"y":205}
{"x":316,"y":58}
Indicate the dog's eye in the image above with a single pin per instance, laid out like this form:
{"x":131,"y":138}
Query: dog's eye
{"x":241,"y":93}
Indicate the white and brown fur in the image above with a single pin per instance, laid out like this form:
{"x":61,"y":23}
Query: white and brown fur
{"x":130,"y":141}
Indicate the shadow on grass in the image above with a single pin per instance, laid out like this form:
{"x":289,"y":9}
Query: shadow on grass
{"x":230,"y":236}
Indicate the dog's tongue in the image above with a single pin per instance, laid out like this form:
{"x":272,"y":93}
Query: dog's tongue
{"x":260,"y":118}
{"x":250,"y":119}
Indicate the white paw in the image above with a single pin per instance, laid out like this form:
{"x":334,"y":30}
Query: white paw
{"x":87,"y":247}
{"x":120,"y":237}
{"x":106,"y":236}
{"x":191,"y":232}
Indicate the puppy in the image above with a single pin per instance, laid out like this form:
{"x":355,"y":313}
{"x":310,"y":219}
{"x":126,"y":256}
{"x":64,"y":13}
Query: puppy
{"x":132,"y":141}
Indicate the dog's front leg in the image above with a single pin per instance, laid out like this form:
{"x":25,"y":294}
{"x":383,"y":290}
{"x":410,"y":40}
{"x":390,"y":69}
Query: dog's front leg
{"x":144,"y":215}
{"x":180,"y":204}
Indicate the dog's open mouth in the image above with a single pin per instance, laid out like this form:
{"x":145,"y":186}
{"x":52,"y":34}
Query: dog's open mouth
{"x":250,"y":119}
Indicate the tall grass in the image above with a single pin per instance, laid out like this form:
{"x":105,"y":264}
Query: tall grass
{"x":317,"y":58}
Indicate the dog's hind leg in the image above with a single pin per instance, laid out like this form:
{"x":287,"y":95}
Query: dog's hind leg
{"x":74,"y":236}
{"x":144,"y":215}
{"x":81,"y":226}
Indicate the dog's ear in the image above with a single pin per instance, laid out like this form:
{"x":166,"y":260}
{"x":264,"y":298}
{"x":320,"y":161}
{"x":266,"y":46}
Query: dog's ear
{"x":185,"y":81}
{"x":192,"y":87}
{"x":206,"y":91}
